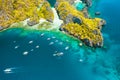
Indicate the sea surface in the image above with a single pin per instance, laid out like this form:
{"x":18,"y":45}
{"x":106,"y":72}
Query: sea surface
{"x":31,"y":54}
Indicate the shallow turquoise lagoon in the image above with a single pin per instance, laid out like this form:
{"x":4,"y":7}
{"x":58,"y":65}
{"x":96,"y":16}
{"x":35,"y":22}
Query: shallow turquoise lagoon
{"x":79,"y":6}
{"x":29,"y":54}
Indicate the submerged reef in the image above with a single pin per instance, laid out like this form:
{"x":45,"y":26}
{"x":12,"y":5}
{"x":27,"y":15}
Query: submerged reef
{"x":73,"y":13}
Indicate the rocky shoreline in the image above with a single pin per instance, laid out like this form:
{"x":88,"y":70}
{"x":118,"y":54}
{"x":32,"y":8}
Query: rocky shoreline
{"x":79,"y":24}
{"x":73,"y":13}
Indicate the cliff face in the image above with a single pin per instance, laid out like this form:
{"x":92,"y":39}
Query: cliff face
{"x":75,"y":23}
{"x":12,"y":11}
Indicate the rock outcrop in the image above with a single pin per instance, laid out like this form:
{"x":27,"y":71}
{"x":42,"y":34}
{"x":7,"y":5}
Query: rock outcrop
{"x":12,"y":11}
{"x":77,"y":24}
{"x":88,"y":2}
{"x":1,"y":27}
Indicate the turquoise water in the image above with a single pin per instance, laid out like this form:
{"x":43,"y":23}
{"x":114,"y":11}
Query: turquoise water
{"x":76,"y":63}
{"x":40,"y":62}
{"x":79,"y":6}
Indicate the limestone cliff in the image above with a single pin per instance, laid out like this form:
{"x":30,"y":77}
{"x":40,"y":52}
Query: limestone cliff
{"x":75,"y":23}
{"x":12,"y":11}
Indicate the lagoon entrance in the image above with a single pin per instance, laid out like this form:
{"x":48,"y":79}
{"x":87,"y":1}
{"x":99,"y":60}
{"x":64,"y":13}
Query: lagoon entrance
{"x":52,"y":2}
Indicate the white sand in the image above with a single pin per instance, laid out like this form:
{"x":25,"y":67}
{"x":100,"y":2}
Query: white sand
{"x":56,"y":22}
{"x":55,"y":25}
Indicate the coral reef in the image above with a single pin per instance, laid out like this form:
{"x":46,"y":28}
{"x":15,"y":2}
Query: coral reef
{"x":76,"y":22}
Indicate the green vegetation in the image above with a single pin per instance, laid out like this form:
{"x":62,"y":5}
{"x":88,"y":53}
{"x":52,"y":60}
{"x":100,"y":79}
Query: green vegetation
{"x":12,"y":11}
{"x":88,"y":30}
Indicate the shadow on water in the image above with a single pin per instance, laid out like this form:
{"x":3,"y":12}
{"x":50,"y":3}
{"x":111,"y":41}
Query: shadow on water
{"x":52,"y":2}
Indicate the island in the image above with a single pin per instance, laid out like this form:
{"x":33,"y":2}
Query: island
{"x":69,"y":16}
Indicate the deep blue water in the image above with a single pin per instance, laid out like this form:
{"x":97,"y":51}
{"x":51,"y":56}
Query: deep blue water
{"x":110,"y":12}
{"x":40,"y":64}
